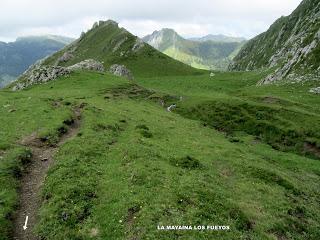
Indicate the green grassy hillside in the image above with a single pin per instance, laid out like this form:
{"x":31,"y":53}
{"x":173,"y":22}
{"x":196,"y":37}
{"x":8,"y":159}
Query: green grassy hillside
{"x":208,"y":54}
{"x":133,"y":166}
{"x":108,"y":43}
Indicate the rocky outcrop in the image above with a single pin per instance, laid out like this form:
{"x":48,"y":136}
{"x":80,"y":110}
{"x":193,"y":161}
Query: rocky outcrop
{"x":38,"y":73}
{"x":138,"y":45}
{"x":121,"y":70}
{"x":89,"y":64}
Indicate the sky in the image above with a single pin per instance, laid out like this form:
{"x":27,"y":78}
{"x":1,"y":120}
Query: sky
{"x":190,"y":18}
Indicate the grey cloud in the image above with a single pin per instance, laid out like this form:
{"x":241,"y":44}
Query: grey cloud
{"x":240,"y":17}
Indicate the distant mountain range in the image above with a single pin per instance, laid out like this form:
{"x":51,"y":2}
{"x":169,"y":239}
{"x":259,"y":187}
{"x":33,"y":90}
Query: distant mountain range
{"x":218,"y":38}
{"x":17,"y":56}
{"x":210,"y":52}
{"x":291,"y":46}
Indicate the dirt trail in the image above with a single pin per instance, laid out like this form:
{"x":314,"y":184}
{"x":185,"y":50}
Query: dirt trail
{"x":33,"y":178}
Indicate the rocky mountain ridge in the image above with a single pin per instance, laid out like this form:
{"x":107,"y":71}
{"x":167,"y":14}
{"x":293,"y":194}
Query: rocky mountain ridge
{"x":290,"y":46}
{"x":218,"y":38}
{"x":104,"y":46}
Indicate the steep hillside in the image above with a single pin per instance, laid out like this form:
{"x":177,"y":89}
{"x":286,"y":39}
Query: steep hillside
{"x":214,"y":55}
{"x":16,"y":57}
{"x":218,"y":38}
{"x":109,"y":44}
{"x":291,"y":45}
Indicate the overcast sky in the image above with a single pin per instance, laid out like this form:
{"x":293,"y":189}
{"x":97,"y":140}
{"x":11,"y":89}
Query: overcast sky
{"x":190,"y":18}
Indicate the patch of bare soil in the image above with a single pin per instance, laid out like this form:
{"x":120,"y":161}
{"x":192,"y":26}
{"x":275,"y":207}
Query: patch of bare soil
{"x":33,"y":178}
{"x":312,"y":148}
{"x":271,"y":100}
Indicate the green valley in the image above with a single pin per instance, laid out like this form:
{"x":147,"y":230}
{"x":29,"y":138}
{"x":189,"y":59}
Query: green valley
{"x":210,"y":52}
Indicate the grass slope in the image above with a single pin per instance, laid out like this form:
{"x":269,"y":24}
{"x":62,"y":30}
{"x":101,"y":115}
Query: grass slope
{"x":134,"y":166}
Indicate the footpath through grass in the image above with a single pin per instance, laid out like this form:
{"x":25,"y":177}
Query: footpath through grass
{"x":134,"y":166}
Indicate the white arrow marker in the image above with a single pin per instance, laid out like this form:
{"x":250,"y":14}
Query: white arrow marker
{"x":25,"y":223}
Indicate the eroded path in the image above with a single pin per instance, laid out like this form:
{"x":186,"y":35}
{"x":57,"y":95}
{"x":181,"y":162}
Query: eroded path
{"x":33,"y":178}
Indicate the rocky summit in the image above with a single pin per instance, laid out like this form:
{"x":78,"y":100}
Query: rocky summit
{"x":290,"y":46}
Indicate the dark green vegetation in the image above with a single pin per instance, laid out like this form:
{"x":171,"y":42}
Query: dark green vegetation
{"x":17,"y":56}
{"x":211,"y":52}
{"x":109,"y":44}
{"x":291,"y":43}
{"x":134,"y":166}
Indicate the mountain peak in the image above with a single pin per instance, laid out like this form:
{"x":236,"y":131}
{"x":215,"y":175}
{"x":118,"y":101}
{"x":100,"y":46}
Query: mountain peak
{"x":102,"y":23}
{"x":199,"y":54}
{"x":109,"y":44}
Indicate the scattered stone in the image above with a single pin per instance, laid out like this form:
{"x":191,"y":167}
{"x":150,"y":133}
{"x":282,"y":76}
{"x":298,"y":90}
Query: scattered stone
{"x":212,"y":74}
{"x":315,"y":90}
{"x":171,"y":107}
{"x":94,"y":232}
{"x":12,"y":110}
{"x":121,"y":70}
{"x":88,"y":64}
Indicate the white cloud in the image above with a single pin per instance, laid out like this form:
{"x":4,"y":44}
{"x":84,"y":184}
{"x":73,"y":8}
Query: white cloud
{"x":190,"y":18}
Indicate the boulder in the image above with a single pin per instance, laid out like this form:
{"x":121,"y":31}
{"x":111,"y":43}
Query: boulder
{"x":65,"y":57}
{"x":121,"y":70}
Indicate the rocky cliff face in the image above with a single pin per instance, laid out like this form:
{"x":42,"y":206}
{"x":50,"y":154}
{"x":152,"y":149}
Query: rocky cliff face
{"x":290,"y":46}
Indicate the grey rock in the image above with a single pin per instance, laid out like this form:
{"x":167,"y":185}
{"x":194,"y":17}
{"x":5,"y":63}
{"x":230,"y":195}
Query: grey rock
{"x":65,"y":57}
{"x":121,"y":70}
{"x":315,"y":90}
{"x":138,"y":45}
{"x":39,"y":75}
{"x":89,"y":64}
